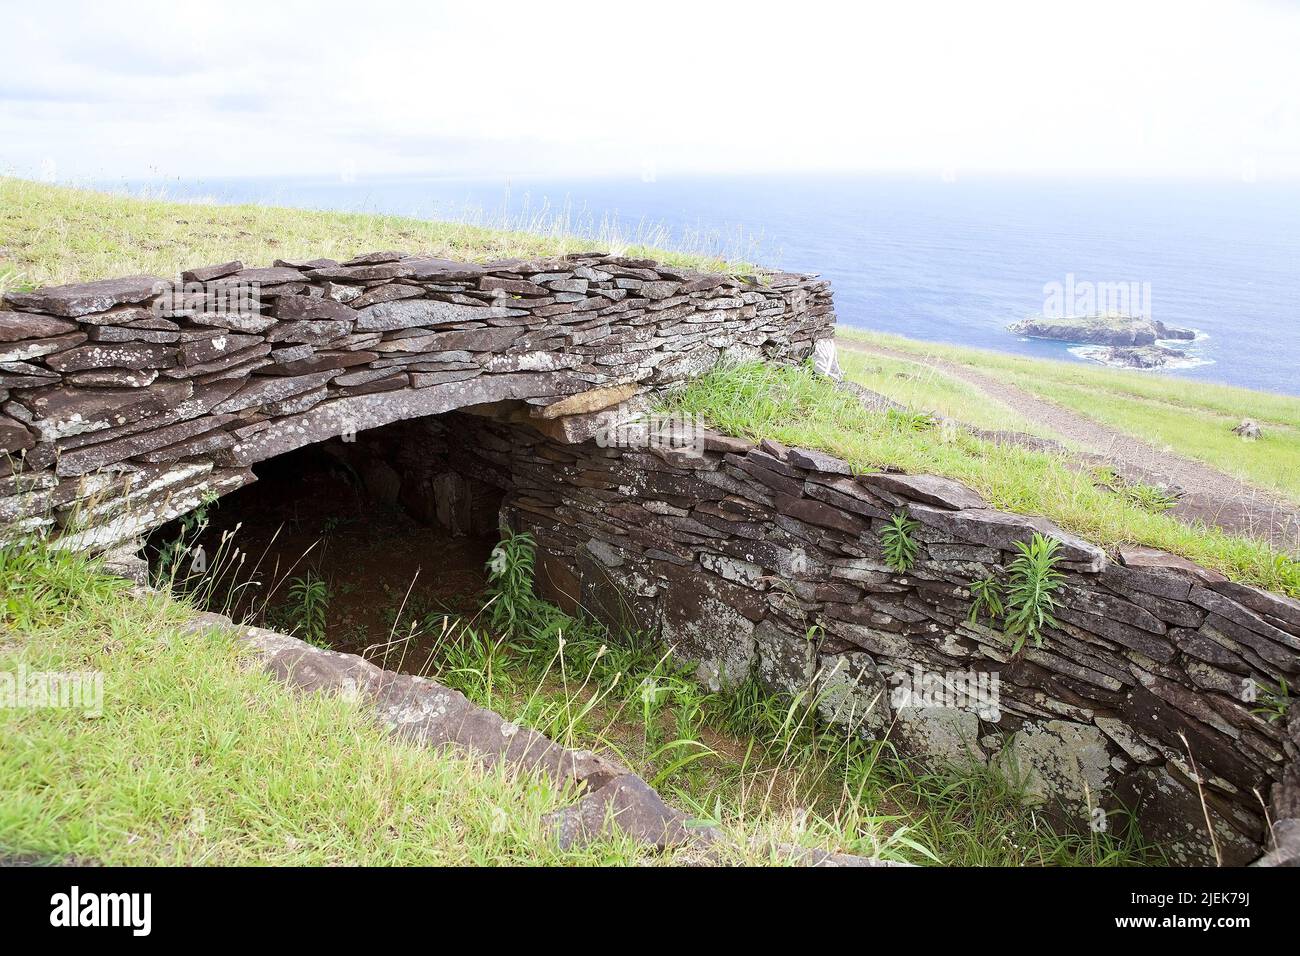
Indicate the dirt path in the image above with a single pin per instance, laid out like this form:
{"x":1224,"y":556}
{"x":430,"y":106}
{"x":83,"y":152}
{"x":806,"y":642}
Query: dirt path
{"x":1209,"y":494}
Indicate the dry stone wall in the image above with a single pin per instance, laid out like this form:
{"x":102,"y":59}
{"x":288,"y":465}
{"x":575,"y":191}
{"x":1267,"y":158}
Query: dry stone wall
{"x":765,"y":561}
{"x":126,"y":402}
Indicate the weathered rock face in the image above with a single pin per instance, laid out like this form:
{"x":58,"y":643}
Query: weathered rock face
{"x":231,"y":365}
{"x":764,"y":561}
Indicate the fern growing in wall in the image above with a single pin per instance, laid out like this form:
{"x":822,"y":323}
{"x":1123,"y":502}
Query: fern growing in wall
{"x":1275,"y":702}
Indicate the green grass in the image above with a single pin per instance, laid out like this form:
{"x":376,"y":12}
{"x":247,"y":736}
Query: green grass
{"x":925,"y":389}
{"x":201,"y":758}
{"x":1190,"y":418}
{"x":794,"y":406}
{"x":51,"y":235}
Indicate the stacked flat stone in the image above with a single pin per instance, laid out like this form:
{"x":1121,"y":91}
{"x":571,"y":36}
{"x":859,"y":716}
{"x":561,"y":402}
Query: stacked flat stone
{"x":766,"y":561}
{"x":123,"y":403}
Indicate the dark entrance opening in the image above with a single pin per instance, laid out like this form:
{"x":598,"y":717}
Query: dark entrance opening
{"x":367,"y":545}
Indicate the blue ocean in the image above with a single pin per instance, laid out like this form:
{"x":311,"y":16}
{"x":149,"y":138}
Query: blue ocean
{"x":949,"y":261}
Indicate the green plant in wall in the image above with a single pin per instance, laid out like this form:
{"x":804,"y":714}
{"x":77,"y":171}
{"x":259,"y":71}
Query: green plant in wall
{"x":986,"y":599}
{"x":309,"y":599}
{"x":1275,"y":703}
{"x":899,"y":542}
{"x":1033,"y":579}
{"x":510,"y":583}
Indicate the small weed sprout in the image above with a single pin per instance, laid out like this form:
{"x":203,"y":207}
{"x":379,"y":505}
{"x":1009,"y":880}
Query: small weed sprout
{"x":1149,"y":497}
{"x":899,"y":544}
{"x":986,"y":599}
{"x":510,"y":583}
{"x":653,"y":697}
{"x":170,"y":567}
{"x":1285,"y":570}
{"x":1275,"y":703}
{"x":1033,"y":580}
{"x":689,"y":701}
{"x":310,"y":597}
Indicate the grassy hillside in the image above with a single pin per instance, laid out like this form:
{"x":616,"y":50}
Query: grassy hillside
{"x":53,"y":234}
{"x":1192,"y":418}
{"x":922,"y":388}
{"x":201,"y":758}
{"x":799,"y":408}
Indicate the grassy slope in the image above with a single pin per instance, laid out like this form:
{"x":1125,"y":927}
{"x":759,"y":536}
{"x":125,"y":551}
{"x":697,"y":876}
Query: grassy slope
{"x":1192,"y":418}
{"x":925,"y":389}
{"x":798,"y":408}
{"x":53,"y":234}
{"x":201,"y":758}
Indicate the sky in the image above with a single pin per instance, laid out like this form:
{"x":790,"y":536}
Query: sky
{"x":1204,"y":90}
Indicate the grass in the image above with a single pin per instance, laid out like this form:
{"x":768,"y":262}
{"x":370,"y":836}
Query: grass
{"x":794,"y":406}
{"x":922,"y":388}
{"x":51,"y":235}
{"x":201,"y":758}
{"x":1189,"y":417}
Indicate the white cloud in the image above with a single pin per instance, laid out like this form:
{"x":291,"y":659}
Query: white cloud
{"x":207,"y":88}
